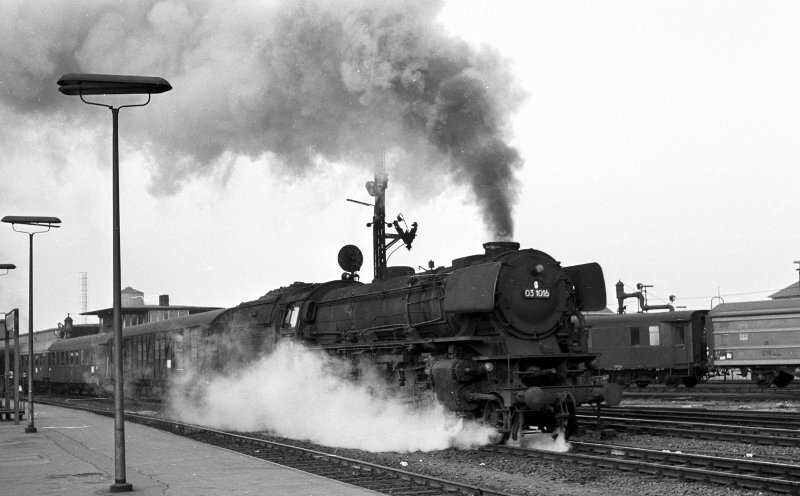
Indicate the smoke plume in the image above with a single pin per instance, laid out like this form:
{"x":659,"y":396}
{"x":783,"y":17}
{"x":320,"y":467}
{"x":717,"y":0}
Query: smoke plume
{"x":296,"y":393}
{"x":291,"y":83}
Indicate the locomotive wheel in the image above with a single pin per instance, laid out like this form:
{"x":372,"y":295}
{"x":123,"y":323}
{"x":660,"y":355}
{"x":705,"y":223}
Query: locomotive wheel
{"x":690,"y":382}
{"x":566,"y":419}
{"x":763,"y":379}
{"x":497,"y":416}
{"x":572,"y":427}
{"x":782,"y":379}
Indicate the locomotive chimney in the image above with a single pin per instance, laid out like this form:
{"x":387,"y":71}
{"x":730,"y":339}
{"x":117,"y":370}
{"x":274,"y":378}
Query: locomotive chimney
{"x":497,"y":247}
{"x":163,"y":300}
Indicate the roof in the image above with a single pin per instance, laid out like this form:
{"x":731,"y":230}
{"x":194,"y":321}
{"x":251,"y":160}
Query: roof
{"x":614,"y":319}
{"x":176,"y":324}
{"x":790,"y":291}
{"x":146,"y":308}
{"x":761,"y":307}
{"x":41,"y":340}
{"x":81,"y":341}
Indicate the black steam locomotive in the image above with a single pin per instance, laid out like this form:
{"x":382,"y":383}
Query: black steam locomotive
{"x":495,"y":337}
{"x":490,"y":337}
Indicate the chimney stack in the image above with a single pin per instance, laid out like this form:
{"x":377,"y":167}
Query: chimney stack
{"x":163,"y":300}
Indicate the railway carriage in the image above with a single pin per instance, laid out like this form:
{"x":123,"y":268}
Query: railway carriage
{"x":654,"y":347}
{"x":79,"y":365}
{"x":41,"y":343}
{"x":761,"y":338}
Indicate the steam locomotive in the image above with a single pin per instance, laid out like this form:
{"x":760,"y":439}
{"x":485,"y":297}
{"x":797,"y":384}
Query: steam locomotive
{"x":496,"y":337}
{"x":490,"y":337}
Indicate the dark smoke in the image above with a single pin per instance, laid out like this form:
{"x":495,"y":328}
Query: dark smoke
{"x":293,"y":84}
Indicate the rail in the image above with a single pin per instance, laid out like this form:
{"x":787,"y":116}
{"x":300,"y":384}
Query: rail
{"x":746,"y":474}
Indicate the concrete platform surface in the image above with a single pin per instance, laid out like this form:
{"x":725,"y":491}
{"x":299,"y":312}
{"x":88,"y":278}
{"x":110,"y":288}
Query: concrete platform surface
{"x":72,"y":453}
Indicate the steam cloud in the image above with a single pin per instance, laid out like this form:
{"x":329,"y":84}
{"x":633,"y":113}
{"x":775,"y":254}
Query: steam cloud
{"x":291,"y":83}
{"x":300,"y":394}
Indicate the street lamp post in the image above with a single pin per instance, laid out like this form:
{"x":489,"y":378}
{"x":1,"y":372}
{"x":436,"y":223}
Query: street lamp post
{"x":7,"y":357}
{"x":105,"y":84}
{"x":46,"y":223}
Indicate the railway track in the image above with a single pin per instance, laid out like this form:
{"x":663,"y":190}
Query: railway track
{"x":753,"y":418}
{"x":718,"y":425}
{"x":730,"y":390}
{"x":742,"y":473}
{"x":382,"y":479}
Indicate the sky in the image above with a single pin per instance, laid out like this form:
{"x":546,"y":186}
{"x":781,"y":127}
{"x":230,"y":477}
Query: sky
{"x":659,"y":139}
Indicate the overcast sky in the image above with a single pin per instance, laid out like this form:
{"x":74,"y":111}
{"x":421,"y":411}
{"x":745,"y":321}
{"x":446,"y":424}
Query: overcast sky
{"x":659,"y":139}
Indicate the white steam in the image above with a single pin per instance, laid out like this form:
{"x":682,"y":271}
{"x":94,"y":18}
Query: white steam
{"x":300,"y":394}
{"x":546,"y":442}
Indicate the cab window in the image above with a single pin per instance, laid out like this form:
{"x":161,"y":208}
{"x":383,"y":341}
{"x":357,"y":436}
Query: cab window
{"x":290,"y":318}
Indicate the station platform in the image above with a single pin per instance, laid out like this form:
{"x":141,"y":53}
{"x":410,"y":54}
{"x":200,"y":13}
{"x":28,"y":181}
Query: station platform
{"x":72,"y":453}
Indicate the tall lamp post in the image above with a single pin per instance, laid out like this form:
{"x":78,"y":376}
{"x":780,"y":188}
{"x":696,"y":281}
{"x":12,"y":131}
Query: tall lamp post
{"x":7,"y":357}
{"x":45,"y":223}
{"x":105,"y":84}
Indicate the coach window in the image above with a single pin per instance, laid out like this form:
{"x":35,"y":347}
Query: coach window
{"x":655,"y":339}
{"x":634,"y":336}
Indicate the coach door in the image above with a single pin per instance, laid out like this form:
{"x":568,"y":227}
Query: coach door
{"x":194,"y":356}
{"x":162,"y":361}
{"x":675,"y":337}
{"x":103,"y":362}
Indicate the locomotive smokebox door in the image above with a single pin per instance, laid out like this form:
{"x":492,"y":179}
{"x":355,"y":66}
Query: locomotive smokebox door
{"x":532,"y":294}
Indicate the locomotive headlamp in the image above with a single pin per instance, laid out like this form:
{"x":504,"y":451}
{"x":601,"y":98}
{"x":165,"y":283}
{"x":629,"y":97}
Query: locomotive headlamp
{"x":537,"y":269}
{"x":488,"y":366}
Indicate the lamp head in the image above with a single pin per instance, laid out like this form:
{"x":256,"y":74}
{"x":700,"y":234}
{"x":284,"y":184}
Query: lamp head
{"x":110,"y":84}
{"x":31,"y":221}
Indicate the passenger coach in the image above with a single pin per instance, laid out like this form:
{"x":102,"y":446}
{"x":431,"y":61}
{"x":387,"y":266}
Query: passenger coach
{"x":759,"y":337}
{"x":645,"y":348}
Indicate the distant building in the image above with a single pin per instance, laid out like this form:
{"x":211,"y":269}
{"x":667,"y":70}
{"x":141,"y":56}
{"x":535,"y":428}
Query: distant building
{"x":790,"y":291}
{"x":132,"y":297}
{"x":135,"y":312}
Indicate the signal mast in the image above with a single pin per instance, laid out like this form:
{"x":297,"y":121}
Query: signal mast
{"x":377,"y":189}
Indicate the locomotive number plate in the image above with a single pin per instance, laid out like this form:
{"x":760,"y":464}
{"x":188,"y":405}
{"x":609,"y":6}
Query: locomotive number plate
{"x":537,"y":294}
